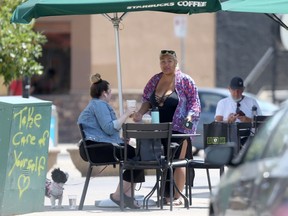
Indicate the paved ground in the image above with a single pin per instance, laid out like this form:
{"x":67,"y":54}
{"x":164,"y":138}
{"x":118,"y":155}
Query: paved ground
{"x":100,"y":188}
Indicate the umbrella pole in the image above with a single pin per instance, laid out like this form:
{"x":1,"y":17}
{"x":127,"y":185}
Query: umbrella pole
{"x":116,"y":22}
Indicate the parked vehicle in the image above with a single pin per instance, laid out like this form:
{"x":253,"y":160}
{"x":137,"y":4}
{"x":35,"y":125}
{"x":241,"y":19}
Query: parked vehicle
{"x":256,"y":182}
{"x":209,"y":98}
{"x":284,"y":103}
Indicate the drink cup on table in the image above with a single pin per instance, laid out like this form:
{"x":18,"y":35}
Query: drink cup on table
{"x":147,"y":119}
{"x":131,"y":104}
{"x":72,"y":201}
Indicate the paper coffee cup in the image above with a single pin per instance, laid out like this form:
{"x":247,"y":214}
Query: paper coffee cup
{"x":131,"y":104}
{"x":147,"y":119}
{"x":72,"y":201}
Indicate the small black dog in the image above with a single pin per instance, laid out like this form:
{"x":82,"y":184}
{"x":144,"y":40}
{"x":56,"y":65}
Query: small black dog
{"x":54,"y":189}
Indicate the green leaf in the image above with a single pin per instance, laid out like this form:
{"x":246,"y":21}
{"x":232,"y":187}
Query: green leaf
{"x":20,"y":45}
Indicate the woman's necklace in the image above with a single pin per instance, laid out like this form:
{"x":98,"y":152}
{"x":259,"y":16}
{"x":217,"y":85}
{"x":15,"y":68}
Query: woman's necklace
{"x":161,"y":99}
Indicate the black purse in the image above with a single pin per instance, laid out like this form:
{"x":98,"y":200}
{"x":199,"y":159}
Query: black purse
{"x":150,"y":149}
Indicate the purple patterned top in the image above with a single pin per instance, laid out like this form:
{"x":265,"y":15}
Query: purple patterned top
{"x":189,"y":103}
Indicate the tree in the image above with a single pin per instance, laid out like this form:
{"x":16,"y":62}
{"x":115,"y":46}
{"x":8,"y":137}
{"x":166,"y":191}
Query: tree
{"x":20,"y":45}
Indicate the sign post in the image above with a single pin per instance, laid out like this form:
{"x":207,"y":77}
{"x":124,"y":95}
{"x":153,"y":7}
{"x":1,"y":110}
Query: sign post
{"x":180,"y":30}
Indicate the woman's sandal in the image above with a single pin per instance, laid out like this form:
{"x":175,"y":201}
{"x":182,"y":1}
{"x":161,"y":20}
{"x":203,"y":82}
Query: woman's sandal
{"x":177,"y":202}
{"x":165,"y":202}
{"x":116,"y":201}
{"x":130,"y":202}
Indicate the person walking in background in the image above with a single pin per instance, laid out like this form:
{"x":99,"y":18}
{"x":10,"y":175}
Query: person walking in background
{"x":237,"y":107}
{"x":175,"y":94}
{"x":21,"y":87}
{"x":100,"y":125}
{"x":15,"y":88}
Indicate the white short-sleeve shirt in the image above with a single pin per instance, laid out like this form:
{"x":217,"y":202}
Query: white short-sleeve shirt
{"x":226,"y":106}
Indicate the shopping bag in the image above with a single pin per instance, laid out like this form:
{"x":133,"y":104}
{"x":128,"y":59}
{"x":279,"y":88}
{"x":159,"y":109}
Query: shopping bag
{"x":150,"y":149}
{"x":215,"y":133}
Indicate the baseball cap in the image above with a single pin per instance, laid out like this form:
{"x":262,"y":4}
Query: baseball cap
{"x":236,"y":83}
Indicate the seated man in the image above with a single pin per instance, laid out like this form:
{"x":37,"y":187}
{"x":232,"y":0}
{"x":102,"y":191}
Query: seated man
{"x":237,"y":107}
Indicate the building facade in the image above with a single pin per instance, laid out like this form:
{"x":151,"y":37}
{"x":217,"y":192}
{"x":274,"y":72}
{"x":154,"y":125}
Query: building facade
{"x":79,"y":46}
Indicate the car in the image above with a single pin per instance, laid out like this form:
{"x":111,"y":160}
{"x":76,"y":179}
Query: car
{"x":256,"y":180}
{"x":209,"y":98}
{"x":284,"y":103}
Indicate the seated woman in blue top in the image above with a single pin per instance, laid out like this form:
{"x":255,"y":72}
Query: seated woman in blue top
{"x":100,"y":125}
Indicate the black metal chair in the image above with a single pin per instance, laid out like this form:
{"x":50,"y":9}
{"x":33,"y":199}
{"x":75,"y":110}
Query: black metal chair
{"x":210,"y":164}
{"x":258,"y":121}
{"x":85,"y":151}
{"x":154,"y":132}
{"x":244,"y":132}
{"x":200,"y":164}
{"x":215,"y":158}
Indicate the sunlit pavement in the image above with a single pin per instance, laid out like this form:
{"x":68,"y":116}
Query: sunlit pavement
{"x":100,"y":188}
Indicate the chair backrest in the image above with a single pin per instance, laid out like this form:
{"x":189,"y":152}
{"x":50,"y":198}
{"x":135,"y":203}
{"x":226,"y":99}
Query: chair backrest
{"x":141,"y":131}
{"x":84,"y":150}
{"x":243,"y":129}
{"x":243,"y":132}
{"x":259,"y":121}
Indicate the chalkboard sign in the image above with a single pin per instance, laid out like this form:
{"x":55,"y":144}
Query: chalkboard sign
{"x":24,"y":132}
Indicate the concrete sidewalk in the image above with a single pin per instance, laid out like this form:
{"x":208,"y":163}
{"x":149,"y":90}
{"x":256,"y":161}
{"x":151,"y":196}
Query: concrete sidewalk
{"x":100,"y":188}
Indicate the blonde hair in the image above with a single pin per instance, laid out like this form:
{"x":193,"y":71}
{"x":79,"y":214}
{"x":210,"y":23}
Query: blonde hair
{"x":98,"y":86}
{"x":171,"y":53}
{"x":95,"y":78}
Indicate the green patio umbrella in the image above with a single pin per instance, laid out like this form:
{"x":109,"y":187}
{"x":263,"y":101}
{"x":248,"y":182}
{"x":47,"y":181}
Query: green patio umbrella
{"x":268,"y":7}
{"x":256,"y":6}
{"x":25,"y":12}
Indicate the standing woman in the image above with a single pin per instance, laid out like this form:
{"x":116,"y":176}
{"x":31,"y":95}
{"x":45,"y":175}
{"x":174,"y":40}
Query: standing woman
{"x":100,"y":125}
{"x":176,"y":96}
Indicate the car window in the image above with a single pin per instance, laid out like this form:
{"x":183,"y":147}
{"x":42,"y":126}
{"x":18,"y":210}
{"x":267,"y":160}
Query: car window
{"x":279,"y":139}
{"x":262,"y":139}
{"x":209,"y":101}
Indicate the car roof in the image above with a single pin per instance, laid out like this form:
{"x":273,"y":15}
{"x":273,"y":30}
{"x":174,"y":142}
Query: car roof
{"x":223,"y":91}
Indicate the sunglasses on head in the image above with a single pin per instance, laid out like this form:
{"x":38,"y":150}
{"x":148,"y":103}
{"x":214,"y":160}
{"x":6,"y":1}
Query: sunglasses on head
{"x":171,"y":52}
